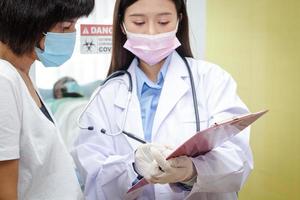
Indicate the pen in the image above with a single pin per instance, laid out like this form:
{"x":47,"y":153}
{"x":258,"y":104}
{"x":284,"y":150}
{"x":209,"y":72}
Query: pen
{"x":132,"y":136}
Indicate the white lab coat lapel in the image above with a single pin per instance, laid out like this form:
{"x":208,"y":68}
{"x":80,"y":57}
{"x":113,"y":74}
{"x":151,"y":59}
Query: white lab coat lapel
{"x":173,"y":89}
{"x":133,"y":122}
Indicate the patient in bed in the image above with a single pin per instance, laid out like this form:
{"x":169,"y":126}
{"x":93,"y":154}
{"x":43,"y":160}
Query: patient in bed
{"x":66,"y":87}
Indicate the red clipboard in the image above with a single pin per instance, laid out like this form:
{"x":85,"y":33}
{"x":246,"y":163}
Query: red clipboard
{"x":205,"y":140}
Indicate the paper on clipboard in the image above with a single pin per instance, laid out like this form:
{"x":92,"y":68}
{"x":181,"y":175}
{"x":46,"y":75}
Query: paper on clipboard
{"x":205,"y":140}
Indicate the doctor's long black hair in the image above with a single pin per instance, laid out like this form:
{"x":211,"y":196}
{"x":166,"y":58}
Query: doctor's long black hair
{"x":121,"y":58}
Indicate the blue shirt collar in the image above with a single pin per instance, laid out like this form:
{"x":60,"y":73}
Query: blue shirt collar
{"x":142,"y":78}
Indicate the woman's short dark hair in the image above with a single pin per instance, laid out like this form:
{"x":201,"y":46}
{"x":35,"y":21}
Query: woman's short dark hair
{"x":121,"y":58}
{"x":23,"y":22}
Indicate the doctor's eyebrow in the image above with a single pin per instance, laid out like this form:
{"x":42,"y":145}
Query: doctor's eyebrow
{"x":142,"y":14}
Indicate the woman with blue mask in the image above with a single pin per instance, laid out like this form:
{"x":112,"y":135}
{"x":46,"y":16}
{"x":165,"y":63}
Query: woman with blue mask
{"x":171,"y":97}
{"x":34,"y":162}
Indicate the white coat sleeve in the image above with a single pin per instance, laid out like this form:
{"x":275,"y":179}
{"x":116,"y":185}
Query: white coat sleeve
{"x":105,"y":173}
{"x":225,"y":168}
{"x":10,"y":122}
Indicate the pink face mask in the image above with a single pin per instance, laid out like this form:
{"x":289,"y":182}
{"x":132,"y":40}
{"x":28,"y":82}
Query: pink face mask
{"x":152,"y":48}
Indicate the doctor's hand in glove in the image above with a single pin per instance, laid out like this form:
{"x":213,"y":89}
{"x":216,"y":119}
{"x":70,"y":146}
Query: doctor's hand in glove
{"x":175,"y":170}
{"x":151,"y":163}
{"x":145,"y":164}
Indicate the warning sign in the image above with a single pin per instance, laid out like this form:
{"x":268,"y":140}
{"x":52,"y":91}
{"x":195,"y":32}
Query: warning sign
{"x":95,"y":39}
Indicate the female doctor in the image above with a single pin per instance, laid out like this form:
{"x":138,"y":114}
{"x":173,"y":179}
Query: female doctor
{"x":151,"y":42}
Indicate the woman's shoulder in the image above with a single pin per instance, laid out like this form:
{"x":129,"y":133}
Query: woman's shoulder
{"x":8,"y":74}
{"x":10,"y":89}
{"x":11,"y":84}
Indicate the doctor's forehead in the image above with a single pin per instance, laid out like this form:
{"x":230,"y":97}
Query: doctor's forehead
{"x":143,"y":8}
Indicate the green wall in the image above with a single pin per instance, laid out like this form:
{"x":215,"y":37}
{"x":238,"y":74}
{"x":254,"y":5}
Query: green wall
{"x":258,"y":42}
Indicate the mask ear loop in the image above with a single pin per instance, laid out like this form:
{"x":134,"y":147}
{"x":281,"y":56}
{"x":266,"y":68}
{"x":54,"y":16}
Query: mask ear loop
{"x":38,"y":43}
{"x":177,"y":25}
{"x":123,"y":28}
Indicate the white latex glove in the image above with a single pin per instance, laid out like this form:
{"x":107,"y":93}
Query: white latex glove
{"x":180,"y":169}
{"x":145,"y":164}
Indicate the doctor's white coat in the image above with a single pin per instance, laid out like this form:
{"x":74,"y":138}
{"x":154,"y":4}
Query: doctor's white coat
{"x":105,"y":162}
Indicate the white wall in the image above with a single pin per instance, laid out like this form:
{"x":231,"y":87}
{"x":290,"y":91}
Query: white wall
{"x":197,"y":17}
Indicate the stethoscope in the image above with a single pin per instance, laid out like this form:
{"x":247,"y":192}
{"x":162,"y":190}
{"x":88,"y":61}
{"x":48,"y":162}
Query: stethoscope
{"x":114,"y":77}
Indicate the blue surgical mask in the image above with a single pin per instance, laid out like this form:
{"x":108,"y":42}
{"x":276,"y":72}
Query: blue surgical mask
{"x":72,"y":87}
{"x":59,"y":48}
